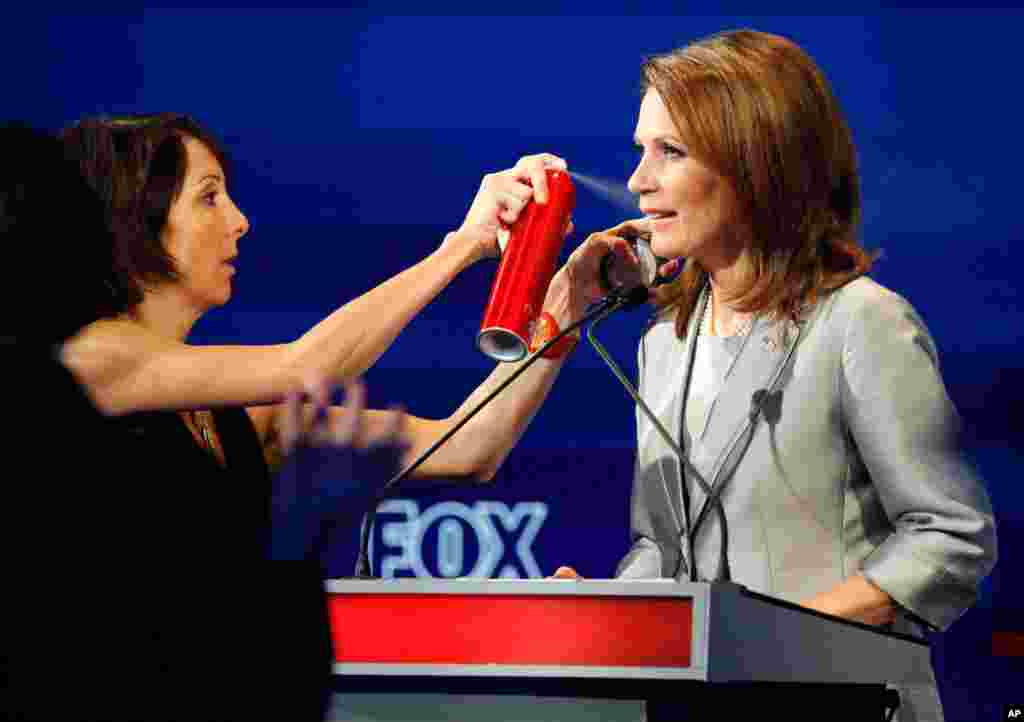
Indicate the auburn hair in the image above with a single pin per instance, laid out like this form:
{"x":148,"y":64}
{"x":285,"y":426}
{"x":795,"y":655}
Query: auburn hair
{"x":757,"y":109}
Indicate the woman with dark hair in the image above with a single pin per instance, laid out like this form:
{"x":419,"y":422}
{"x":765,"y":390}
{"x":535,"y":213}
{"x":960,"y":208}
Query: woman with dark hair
{"x":103,"y":618}
{"x":806,"y":395}
{"x":164,"y":182}
{"x":209,"y":418}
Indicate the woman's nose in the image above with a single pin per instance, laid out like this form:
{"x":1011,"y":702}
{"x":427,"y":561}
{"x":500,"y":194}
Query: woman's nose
{"x":641,"y":180}
{"x":241,"y":222}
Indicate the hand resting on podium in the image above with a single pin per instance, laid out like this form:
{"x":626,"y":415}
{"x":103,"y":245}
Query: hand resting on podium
{"x":855,"y":598}
{"x":566,"y":573}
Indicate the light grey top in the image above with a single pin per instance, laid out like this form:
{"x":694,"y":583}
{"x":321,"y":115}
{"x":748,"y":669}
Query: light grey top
{"x":853,"y":466}
{"x":714,"y":357}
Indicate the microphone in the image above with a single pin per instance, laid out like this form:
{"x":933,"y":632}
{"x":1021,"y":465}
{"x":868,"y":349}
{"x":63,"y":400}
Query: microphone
{"x":630,"y":298}
{"x":618,"y":277}
{"x":607,"y":305}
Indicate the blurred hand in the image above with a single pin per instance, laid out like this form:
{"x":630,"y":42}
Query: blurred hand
{"x":334,"y":468}
{"x":310,"y":424}
{"x":500,"y":200}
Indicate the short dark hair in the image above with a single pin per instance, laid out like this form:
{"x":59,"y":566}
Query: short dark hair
{"x":58,"y":250}
{"x":137,"y":166}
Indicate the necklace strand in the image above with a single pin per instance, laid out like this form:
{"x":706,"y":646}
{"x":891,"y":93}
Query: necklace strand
{"x":742,"y":330}
{"x":201,"y":422}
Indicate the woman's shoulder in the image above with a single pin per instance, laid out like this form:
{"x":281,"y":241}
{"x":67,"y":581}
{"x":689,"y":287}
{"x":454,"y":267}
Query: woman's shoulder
{"x":661,"y":326}
{"x":867,"y":317}
{"x":659,"y":344}
{"x":118,"y":327}
{"x":108,"y":340}
{"x":106,"y":351}
{"x":864,"y":300}
{"x":864,"y":291}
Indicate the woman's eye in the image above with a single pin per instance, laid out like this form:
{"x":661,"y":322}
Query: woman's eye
{"x":671,"y":151}
{"x":210,"y":198}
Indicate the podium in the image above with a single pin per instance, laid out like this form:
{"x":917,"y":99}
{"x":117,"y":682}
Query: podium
{"x":602,"y":650}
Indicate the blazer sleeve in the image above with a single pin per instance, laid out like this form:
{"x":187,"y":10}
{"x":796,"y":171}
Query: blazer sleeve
{"x":942,"y":540}
{"x":644,"y":559}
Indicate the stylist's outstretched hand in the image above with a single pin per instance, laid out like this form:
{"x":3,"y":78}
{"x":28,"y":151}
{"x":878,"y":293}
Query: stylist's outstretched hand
{"x":333,"y":471}
{"x":501,"y":198}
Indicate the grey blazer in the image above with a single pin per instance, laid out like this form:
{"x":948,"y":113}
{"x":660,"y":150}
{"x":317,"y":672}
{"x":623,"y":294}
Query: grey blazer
{"x":852,"y":465}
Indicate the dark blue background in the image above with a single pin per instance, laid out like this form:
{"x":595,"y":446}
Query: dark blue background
{"x":360,"y":135}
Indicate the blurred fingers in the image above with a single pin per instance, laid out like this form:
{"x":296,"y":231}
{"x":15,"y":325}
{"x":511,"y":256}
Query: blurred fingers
{"x":348,"y":424}
{"x":291,"y":422}
{"x":391,"y":431}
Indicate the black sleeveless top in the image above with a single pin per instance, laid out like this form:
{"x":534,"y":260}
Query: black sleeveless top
{"x":207,"y":512}
{"x":246,"y":636}
{"x":136,"y":586}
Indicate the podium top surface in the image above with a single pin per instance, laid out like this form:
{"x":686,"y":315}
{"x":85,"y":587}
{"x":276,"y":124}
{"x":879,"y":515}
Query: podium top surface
{"x":528,"y":587}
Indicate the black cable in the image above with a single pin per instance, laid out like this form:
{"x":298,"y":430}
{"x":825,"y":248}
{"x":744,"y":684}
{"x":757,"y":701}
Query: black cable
{"x":760,"y":398}
{"x":892,"y":703}
{"x":608,"y":304}
{"x":672,"y":444}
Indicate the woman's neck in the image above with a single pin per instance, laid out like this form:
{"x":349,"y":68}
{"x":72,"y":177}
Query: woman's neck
{"x":167,"y":312}
{"x":725,"y":320}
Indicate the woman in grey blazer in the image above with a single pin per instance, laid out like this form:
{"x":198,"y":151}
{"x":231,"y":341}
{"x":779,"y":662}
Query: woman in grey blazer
{"x":806,"y":396}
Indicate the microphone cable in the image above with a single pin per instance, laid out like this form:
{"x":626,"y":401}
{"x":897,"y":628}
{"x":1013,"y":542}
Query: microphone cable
{"x":691,"y":562}
{"x":713,"y":492}
{"x":607,"y":305}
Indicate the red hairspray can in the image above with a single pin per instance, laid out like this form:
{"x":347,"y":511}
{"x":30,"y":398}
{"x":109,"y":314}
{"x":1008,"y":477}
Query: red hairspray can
{"x":527,"y":265}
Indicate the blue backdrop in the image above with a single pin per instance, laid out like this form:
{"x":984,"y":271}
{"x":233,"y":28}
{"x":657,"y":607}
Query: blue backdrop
{"x":359,"y":137}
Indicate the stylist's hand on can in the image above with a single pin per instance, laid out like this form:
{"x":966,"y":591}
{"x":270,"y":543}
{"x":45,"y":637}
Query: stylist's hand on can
{"x":499,"y":202}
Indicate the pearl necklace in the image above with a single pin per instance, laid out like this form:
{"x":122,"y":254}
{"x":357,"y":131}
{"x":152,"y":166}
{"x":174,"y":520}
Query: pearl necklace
{"x":707,"y":319}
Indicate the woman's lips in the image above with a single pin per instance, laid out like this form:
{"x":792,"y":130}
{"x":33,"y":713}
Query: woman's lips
{"x":659,"y":223}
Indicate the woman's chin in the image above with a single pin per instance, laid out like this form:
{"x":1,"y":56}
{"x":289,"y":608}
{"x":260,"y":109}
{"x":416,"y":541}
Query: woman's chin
{"x":218,"y":298}
{"x":664,"y":246}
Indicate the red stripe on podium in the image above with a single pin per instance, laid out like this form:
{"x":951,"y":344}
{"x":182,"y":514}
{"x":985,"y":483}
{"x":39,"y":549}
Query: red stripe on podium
{"x":1008,"y":644}
{"x":511,"y":630}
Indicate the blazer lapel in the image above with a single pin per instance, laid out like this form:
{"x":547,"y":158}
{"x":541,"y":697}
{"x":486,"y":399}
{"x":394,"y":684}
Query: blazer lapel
{"x":675,"y":423}
{"x":730,"y":416}
{"x":752,"y":371}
